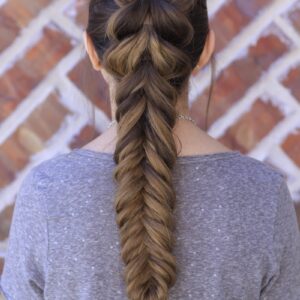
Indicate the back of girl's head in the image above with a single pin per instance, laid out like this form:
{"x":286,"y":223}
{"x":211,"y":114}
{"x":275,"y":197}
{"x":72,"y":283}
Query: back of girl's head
{"x":150,"y":48}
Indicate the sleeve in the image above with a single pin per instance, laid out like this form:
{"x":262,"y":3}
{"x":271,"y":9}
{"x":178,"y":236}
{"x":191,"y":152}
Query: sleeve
{"x":25,"y":265}
{"x":285,"y":283}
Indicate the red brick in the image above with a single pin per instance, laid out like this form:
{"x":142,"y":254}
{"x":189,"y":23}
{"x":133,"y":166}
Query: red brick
{"x":227,"y":23}
{"x":252,"y":126}
{"x":294,"y":16}
{"x":233,"y":17}
{"x":6,"y":175}
{"x":230,"y":86}
{"x":87,"y":134}
{"x":252,"y":8}
{"x":291,"y":145}
{"x":30,"y":137}
{"x":25,"y":75}
{"x":292,"y":81}
{"x":261,"y":53}
{"x":235,"y":80}
{"x":16,"y":14}
{"x":5,"y":221}
{"x":12,"y":158}
{"x":92,"y":84}
{"x":47,"y":118}
{"x":9,"y":30}
{"x":23,"y":11}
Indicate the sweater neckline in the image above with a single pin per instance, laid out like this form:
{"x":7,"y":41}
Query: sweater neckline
{"x":108,"y":156}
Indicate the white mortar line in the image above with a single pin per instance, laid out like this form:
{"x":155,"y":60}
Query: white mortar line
{"x":29,"y":35}
{"x":72,"y":97}
{"x":214,"y":5}
{"x":8,"y":193}
{"x":69,"y":61}
{"x":279,"y":158}
{"x":3,"y":247}
{"x":276,"y":136}
{"x":38,"y":94}
{"x":101,"y":120}
{"x":295,"y":188}
{"x":23,"y":110}
{"x":283,"y":65}
{"x":286,"y":102}
{"x":71,"y":127}
{"x":68,"y":26}
{"x":280,"y":67}
{"x":77,"y":101}
{"x":2,"y":2}
{"x":248,"y":36}
{"x":59,"y":142}
{"x":219,"y":127}
{"x":286,"y":27}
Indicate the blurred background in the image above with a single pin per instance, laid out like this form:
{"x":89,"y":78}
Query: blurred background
{"x":48,"y":88}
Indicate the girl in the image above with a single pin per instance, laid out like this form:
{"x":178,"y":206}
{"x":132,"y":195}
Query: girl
{"x":154,"y":208}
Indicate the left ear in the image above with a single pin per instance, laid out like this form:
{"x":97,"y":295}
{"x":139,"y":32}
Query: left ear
{"x":91,"y":51}
{"x":208,"y":49}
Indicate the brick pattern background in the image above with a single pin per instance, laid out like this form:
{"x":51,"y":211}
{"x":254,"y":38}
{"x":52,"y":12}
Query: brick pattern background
{"x":47,"y":87}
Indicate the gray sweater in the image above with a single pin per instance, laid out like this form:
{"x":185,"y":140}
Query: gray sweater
{"x":237,"y":236}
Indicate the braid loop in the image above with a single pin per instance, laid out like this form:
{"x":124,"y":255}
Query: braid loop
{"x":149,"y":58}
{"x":145,"y":57}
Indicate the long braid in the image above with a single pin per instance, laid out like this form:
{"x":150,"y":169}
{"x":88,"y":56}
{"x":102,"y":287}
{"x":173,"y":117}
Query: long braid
{"x":146,"y":151}
{"x":148,"y":56}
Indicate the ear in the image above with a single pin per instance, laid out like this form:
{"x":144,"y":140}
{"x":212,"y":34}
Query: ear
{"x":91,"y":51}
{"x":207,"y":52}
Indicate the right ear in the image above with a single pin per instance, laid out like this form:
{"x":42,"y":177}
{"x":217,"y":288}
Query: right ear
{"x":209,"y":49}
{"x":207,"y":52}
{"x":91,"y":51}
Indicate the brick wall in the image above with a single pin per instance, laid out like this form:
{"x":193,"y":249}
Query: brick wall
{"x":47,"y":87}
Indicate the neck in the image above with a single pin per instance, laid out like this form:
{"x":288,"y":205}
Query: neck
{"x":189,"y":138}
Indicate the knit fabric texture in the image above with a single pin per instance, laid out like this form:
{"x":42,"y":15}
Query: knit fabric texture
{"x":237,"y":236}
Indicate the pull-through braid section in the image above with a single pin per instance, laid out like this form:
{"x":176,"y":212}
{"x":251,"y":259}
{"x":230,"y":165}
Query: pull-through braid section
{"x":147,"y":61}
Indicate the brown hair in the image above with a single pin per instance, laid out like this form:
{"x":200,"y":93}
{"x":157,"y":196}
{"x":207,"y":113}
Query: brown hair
{"x":150,"y":47}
